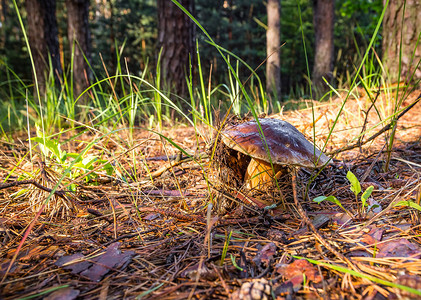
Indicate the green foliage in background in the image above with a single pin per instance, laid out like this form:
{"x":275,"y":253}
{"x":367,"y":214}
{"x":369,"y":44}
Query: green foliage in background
{"x":132,"y":23}
{"x":126,"y":32}
{"x":236,"y":25}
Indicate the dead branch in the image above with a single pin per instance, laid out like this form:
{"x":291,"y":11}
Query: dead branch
{"x":59,"y":193}
{"x":383,"y":130}
{"x":176,"y":162}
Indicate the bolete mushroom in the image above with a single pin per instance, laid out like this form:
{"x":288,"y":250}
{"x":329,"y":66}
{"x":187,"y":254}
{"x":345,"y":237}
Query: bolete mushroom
{"x":285,"y":144}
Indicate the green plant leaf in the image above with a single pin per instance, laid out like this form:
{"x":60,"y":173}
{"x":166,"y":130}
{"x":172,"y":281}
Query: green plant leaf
{"x":366,"y":194}
{"x":362,"y":275}
{"x":234,"y":263}
{"x":408,"y":204}
{"x":355,"y":184}
{"x":47,"y":146}
{"x":225,"y":249}
{"x":331,"y":198}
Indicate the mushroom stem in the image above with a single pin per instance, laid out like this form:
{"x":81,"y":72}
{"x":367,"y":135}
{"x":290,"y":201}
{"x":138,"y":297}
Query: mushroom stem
{"x":260,"y":175}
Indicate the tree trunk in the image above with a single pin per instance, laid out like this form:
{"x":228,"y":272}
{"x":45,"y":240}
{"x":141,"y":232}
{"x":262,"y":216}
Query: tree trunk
{"x":323,"y":19}
{"x":273,"y":44}
{"x":409,"y":31}
{"x":3,"y":20}
{"x":176,"y":39}
{"x":43,"y":38}
{"x":79,"y":40}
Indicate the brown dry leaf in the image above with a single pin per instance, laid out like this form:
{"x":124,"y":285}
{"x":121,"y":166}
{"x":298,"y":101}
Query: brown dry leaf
{"x":374,"y":236}
{"x":5,"y":264}
{"x":399,"y":248}
{"x":113,"y":258}
{"x":276,"y":235}
{"x":63,"y":294}
{"x":75,"y":263}
{"x":265,"y":254}
{"x":299,"y":268}
{"x":203,"y":271}
{"x":151,"y":217}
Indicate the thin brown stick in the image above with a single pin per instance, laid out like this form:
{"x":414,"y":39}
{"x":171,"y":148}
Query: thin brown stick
{"x":197,"y":218}
{"x":311,"y":226}
{"x":59,"y":193}
{"x":171,"y":164}
{"x":373,"y":102}
{"x":384,"y":129}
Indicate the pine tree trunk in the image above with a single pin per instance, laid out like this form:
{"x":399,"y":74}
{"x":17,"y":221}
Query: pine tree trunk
{"x":79,"y":40}
{"x":176,"y":39}
{"x":273,"y":43}
{"x":3,"y":19}
{"x":409,"y":31}
{"x":323,"y":19}
{"x":43,"y":38}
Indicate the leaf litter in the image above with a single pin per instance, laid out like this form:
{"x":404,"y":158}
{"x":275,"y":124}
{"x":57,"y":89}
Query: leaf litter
{"x":155,"y":237}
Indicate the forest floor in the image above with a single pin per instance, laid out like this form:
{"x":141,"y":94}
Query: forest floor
{"x":149,"y":233}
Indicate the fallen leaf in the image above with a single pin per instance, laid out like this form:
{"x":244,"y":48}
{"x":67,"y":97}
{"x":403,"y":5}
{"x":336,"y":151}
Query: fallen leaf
{"x":265,"y":254}
{"x":299,"y":268}
{"x":374,"y":206}
{"x":113,"y":258}
{"x":76,"y":263}
{"x":5,"y":264}
{"x":203,"y":271}
{"x":151,"y":217}
{"x":63,"y":294}
{"x":373,"y":237}
{"x":276,"y":235}
{"x":399,"y":248}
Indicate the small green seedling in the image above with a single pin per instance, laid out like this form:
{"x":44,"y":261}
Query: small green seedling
{"x":225,"y":249}
{"x":408,"y":203}
{"x":356,"y":189}
{"x":79,"y":164}
{"x":332,"y":199}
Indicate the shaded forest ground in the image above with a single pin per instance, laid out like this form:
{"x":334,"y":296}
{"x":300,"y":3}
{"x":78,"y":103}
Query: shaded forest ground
{"x":147,"y":234}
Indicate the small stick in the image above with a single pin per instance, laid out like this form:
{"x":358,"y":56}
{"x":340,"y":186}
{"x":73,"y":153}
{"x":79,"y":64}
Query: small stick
{"x":59,"y":193}
{"x":384,"y":129}
{"x":174,"y":163}
{"x":310,"y":224}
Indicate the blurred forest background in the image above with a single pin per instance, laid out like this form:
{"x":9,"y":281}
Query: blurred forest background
{"x":321,"y":40}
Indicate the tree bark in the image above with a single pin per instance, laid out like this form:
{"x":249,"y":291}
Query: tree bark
{"x":323,"y":19}
{"x":3,"y":19}
{"x":79,"y":40}
{"x":43,"y":38}
{"x":176,"y":39}
{"x":409,"y":31}
{"x":273,"y":44}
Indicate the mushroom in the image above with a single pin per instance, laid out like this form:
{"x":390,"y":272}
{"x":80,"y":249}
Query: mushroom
{"x":285,"y":144}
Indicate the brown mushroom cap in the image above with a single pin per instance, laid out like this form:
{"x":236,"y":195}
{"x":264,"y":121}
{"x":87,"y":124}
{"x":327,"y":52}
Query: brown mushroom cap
{"x":287,"y":146}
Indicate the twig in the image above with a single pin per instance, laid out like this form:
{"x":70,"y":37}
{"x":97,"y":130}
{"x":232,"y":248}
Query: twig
{"x":59,"y":193}
{"x":311,"y":226}
{"x":384,"y":129}
{"x":174,"y":163}
{"x":196,"y":218}
{"x":373,"y":102}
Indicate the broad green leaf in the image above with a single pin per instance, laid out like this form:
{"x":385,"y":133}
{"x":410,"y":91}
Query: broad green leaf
{"x":109,"y":169}
{"x":331,"y":198}
{"x":366,"y":194}
{"x":319,"y":199}
{"x":355,"y":184}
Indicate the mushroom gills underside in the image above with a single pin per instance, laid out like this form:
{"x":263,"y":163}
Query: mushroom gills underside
{"x":260,"y":175}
